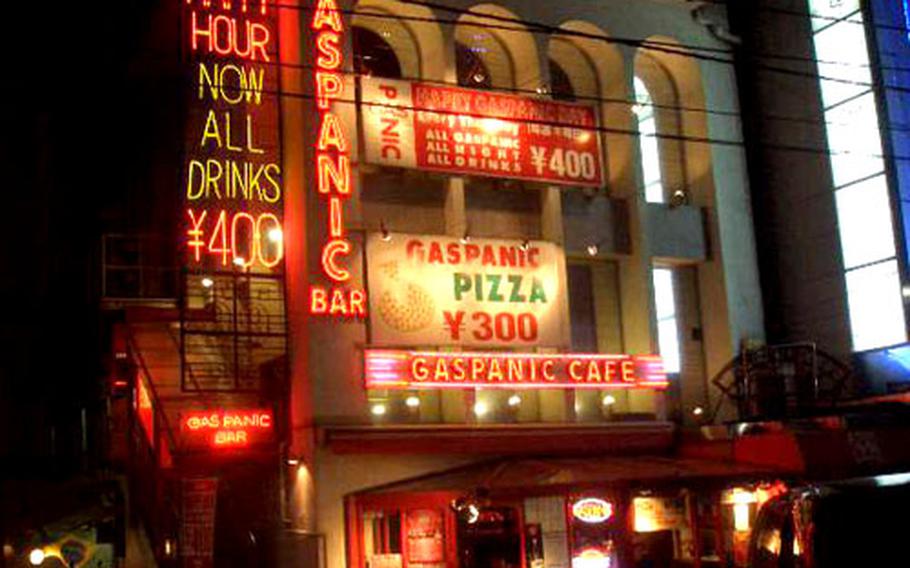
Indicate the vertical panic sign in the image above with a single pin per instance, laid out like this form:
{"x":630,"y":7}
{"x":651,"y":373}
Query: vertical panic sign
{"x":332,"y":170}
{"x":232,"y":189}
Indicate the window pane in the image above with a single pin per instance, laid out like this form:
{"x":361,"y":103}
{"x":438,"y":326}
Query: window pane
{"x":582,"y":317}
{"x":854,"y":140}
{"x":864,"y":221}
{"x":667,"y":326}
{"x":876,"y":306}
{"x":648,"y":145}
{"x":843,"y":55}
{"x":828,"y":10}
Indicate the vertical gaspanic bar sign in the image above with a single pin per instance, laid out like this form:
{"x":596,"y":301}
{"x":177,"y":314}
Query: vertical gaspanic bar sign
{"x":334,"y":295}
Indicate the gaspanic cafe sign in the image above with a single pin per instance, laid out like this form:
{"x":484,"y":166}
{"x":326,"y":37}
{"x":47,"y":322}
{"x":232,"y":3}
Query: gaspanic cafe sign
{"x":472,"y":132}
{"x":436,"y":290}
{"x":394,"y":369}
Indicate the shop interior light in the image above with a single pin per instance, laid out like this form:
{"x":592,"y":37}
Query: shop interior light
{"x":609,"y":400}
{"x":36,"y":556}
{"x":473,"y":513}
{"x":514,"y":400}
{"x":698,"y":411}
{"x":207,"y":282}
{"x":293,"y":461}
{"x":239,"y":261}
{"x":481,"y":409}
{"x":378,"y":409}
{"x":276,"y":235}
{"x":412,"y":401}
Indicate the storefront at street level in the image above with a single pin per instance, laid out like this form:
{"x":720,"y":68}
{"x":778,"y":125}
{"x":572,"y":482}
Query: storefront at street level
{"x":579,"y":512}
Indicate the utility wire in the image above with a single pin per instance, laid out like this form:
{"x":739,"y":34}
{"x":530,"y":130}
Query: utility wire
{"x":600,"y":129}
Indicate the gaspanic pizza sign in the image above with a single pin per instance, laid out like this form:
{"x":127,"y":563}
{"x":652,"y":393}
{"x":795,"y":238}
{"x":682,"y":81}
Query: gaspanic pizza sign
{"x":436,"y":290}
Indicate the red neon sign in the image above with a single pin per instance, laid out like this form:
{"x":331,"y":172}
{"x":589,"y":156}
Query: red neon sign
{"x":333,"y":170}
{"x":232,"y":172}
{"x":227,"y":428}
{"x":387,"y":369}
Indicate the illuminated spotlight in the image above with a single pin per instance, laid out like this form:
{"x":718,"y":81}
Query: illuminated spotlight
{"x":36,"y":556}
{"x":293,"y":461}
{"x":276,"y":235}
{"x":698,"y":411}
{"x":207,"y":282}
{"x":378,"y":409}
{"x":386,"y":33}
{"x":168,"y":547}
{"x":239,"y":261}
{"x":608,"y":400}
{"x":584,"y":136}
{"x":465,"y":239}
{"x":542,"y":90}
{"x":479,"y":77}
{"x":593,"y":250}
{"x":473,"y":513}
{"x":481,"y":409}
{"x":514,"y":400}
{"x":525,"y":245}
{"x":412,"y":401}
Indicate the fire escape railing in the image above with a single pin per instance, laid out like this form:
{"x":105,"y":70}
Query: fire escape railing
{"x":782,"y":381}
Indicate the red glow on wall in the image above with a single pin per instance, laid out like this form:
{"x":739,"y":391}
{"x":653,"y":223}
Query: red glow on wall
{"x":227,"y":428}
{"x":388,"y":369}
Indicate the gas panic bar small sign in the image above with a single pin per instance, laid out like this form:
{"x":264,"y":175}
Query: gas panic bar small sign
{"x":227,"y":428}
{"x":388,"y":369}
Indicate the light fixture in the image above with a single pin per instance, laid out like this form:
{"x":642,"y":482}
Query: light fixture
{"x":412,"y":402}
{"x":593,"y":249}
{"x":525,"y":245}
{"x":479,"y":77}
{"x":239,"y":261}
{"x":678,"y":198}
{"x":905,"y":291}
{"x":385,"y":235}
{"x":481,"y":409}
{"x":608,"y":400}
{"x":293,"y":461}
{"x":698,"y":411}
{"x":36,"y":556}
{"x":207,"y":282}
{"x":466,"y":238}
{"x":168,"y":547}
{"x":473,"y":513}
{"x":514,"y":400}
{"x":542,"y":90}
{"x":378,"y":409}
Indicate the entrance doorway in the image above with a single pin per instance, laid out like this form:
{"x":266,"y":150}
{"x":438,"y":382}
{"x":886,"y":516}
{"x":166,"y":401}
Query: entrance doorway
{"x":492,"y":539}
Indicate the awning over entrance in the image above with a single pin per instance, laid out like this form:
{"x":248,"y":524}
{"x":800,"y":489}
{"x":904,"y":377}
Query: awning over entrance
{"x":547,"y":475}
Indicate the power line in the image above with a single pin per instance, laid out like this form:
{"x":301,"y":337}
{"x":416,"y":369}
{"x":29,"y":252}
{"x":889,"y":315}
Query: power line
{"x":599,"y":129}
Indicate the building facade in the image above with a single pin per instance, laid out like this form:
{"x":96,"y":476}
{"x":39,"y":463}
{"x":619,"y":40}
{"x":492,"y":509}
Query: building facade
{"x":652,"y":254}
{"x":451,"y":280}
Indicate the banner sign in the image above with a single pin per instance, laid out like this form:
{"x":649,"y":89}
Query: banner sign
{"x":387,"y":369}
{"x":473,"y":132}
{"x":435,"y":290}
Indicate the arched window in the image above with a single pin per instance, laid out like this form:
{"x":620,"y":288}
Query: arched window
{"x":648,"y":145}
{"x":373,"y":56}
{"x":560,"y":86}
{"x":470,"y":68}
